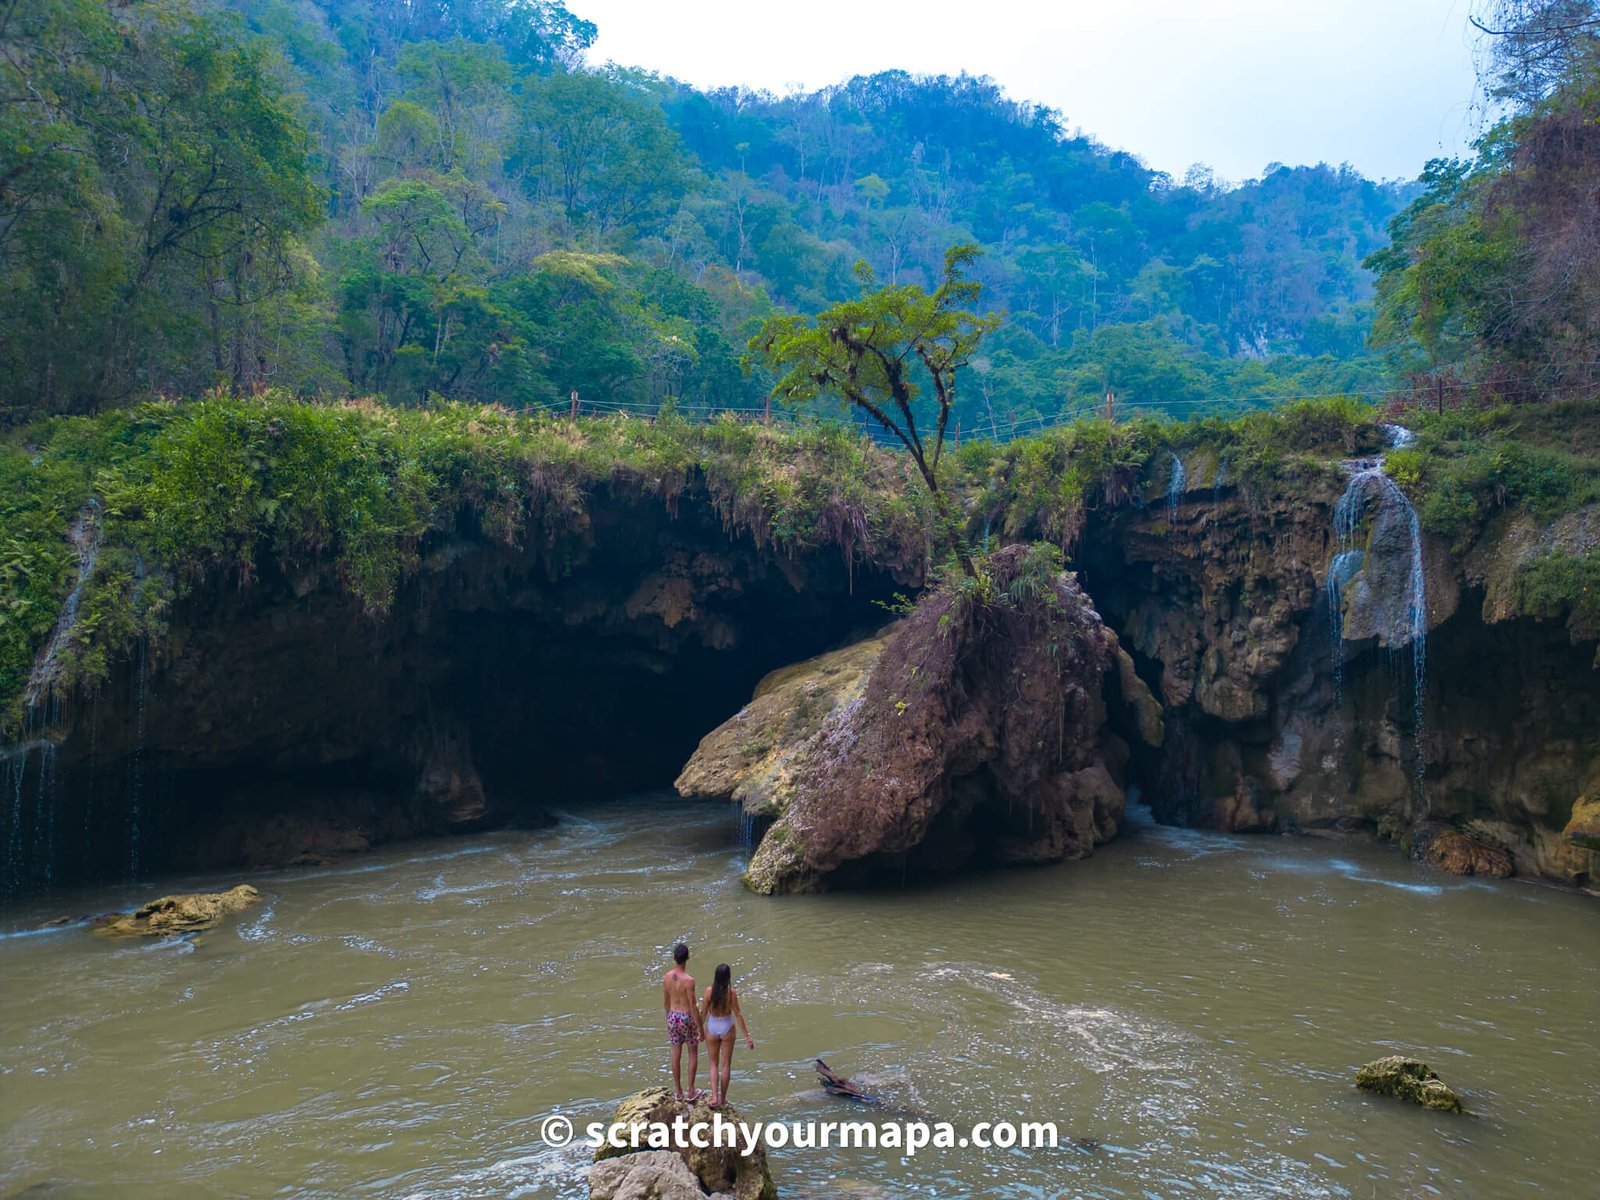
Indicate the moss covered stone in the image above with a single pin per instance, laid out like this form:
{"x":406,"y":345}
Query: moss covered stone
{"x":1408,"y":1079}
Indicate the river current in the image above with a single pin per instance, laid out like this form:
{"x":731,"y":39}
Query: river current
{"x":398,"y":1025}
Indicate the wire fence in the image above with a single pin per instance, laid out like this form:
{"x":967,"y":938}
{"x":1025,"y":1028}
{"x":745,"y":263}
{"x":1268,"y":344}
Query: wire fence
{"x":1435,"y":393}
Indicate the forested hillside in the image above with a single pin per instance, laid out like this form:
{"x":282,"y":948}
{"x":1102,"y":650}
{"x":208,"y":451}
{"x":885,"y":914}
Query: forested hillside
{"x":372,"y":197}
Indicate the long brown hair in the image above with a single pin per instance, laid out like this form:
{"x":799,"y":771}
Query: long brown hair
{"x":721,"y":986}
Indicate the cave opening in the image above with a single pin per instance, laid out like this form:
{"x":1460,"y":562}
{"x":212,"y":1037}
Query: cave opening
{"x":279,"y":724}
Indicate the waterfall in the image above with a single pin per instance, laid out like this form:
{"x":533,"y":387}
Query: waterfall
{"x":31,"y":837}
{"x":1417,"y":613}
{"x":85,"y":538}
{"x":1177,"y":484}
{"x":136,"y":771}
{"x":1346,"y":566}
{"x":16,"y":773}
{"x":1403,"y":623}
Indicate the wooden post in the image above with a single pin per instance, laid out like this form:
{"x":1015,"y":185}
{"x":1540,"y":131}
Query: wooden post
{"x":574,"y":404}
{"x":1111,"y":407}
{"x":768,"y":417}
{"x":958,"y":433}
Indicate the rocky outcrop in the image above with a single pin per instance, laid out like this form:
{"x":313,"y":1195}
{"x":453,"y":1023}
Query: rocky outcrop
{"x":1449,"y":849}
{"x":752,"y":758}
{"x":1408,"y":1079}
{"x":1583,"y":827}
{"x":1280,"y":629}
{"x":174,"y":915}
{"x":983,"y":728}
{"x":279,"y":723}
{"x":647,"y":1175}
{"x":621,"y":1173}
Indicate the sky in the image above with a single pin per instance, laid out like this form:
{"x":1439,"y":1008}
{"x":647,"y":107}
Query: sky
{"x":1384,"y":85}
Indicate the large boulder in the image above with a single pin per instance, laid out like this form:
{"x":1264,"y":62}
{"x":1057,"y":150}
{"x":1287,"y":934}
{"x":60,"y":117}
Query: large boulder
{"x":647,"y":1175}
{"x":1408,"y":1079}
{"x":187,"y":913}
{"x":718,"y":1169}
{"x":749,"y":758}
{"x":983,"y":728}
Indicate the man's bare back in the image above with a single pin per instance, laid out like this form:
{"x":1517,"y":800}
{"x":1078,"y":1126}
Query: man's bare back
{"x":677,"y":991}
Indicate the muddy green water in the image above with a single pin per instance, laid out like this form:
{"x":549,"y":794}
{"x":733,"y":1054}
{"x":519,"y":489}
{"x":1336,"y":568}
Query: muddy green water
{"x":397,"y":1026}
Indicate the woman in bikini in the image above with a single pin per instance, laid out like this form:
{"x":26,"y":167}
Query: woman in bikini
{"x":719,"y":1010}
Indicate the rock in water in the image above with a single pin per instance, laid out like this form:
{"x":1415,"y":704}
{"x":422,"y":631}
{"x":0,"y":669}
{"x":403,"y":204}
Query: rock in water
{"x":984,"y":728}
{"x":188,"y":913}
{"x":1408,"y":1079}
{"x":718,"y":1169}
{"x":1449,"y":849}
{"x":647,"y":1175}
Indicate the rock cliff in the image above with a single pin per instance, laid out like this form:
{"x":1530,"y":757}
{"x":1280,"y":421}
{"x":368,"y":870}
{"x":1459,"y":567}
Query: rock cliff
{"x":981,"y":729}
{"x":1325,"y":663}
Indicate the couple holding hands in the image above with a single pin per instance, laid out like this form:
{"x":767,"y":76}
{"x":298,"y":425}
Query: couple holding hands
{"x":712,"y":1018}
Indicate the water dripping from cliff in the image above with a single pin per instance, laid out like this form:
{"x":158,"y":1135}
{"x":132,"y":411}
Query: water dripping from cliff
{"x":1177,"y":484}
{"x":1378,"y":590}
{"x":30,"y":840}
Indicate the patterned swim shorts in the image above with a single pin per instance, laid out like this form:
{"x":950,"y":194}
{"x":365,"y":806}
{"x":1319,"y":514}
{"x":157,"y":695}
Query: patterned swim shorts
{"x":682,"y":1029}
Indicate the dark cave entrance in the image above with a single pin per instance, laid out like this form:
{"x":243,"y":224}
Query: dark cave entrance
{"x":280,"y":724}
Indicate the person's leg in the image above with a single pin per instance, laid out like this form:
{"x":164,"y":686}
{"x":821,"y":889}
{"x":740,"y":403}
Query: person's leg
{"x":727,"y":1065}
{"x":713,"y":1050}
{"x":694,"y":1067}
{"x":677,"y":1070}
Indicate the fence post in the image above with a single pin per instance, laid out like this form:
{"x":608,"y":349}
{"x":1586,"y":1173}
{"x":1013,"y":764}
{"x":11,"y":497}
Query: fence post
{"x":574,"y":404}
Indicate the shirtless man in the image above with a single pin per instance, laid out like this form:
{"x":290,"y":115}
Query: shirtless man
{"x":683,"y":1021}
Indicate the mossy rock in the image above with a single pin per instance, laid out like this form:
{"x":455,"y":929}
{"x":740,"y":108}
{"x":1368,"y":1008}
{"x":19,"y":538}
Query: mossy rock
{"x":174,"y":915}
{"x":1410,"y":1079}
{"x":720,"y":1169}
{"x":1583,"y":830}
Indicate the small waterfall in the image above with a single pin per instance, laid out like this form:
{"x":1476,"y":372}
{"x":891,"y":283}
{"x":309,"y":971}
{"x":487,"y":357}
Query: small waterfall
{"x":1399,"y":436}
{"x":1177,"y":484}
{"x":1346,"y":566}
{"x":16,"y":774}
{"x":85,"y":538}
{"x":31,"y":838}
{"x":136,"y":769}
{"x":1417,"y":613}
{"x":1408,"y":621}
{"x":1219,"y":481}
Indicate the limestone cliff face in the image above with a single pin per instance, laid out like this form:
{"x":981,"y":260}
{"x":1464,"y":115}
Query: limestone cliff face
{"x":982,"y":729}
{"x":279,"y":723}
{"x":1286,"y":628}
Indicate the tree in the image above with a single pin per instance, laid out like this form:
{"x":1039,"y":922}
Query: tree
{"x":873,"y":351}
{"x":1536,"y":45}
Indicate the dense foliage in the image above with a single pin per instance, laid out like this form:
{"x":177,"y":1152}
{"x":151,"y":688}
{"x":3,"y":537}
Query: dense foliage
{"x":361,"y":197}
{"x":1492,"y":284}
{"x":163,"y":495}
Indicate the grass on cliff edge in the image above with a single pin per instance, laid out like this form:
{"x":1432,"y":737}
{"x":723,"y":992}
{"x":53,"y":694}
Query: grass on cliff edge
{"x":218,"y":486}
{"x":180,"y":491}
{"x":1465,"y":467}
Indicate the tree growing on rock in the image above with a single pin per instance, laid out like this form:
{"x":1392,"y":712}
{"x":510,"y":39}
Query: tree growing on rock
{"x":879,"y":353}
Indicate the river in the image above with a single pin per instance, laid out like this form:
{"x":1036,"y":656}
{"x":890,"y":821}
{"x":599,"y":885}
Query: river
{"x":398,"y":1025}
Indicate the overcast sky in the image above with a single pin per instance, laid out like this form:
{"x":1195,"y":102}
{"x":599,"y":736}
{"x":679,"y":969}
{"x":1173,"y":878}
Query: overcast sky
{"x":1382,"y":84}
